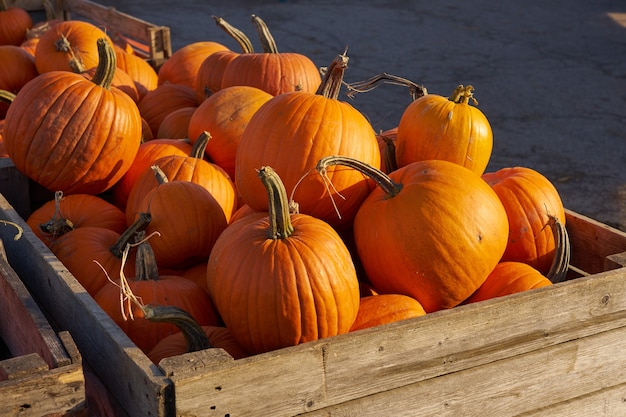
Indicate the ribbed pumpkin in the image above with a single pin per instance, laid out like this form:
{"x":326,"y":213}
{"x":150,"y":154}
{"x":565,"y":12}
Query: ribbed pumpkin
{"x":147,"y":154}
{"x":272,"y":71}
{"x":66,"y":213}
{"x":282,"y":279}
{"x":70,"y":45}
{"x":152,"y":288}
{"x":376,"y":310}
{"x":437,"y":127}
{"x":88,"y":132}
{"x":17,"y":69}
{"x":529,"y":199}
{"x":509,"y":278}
{"x":182,"y":66}
{"x":14,"y":23}
{"x":145,"y":76}
{"x":432,"y":230}
{"x":291,"y":132}
{"x":176,"y":124}
{"x":166,"y":98}
{"x":225,"y":115}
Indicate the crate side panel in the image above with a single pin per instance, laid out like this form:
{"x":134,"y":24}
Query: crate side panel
{"x":14,"y":186}
{"x":388,"y":357}
{"x":521,"y":384}
{"x":102,"y":343}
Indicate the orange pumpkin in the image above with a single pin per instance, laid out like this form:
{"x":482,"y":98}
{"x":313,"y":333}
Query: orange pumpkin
{"x":387,"y":145}
{"x":17,"y":69}
{"x":70,"y":45}
{"x":176,"y":124}
{"x":14,"y":23}
{"x":376,"y":310}
{"x":182,"y":66}
{"x":509,"y":278}
{"x":432,"y":230}
{"x":436,"y":127}
{"x":272,"y":71}
{"x":143,"y":74}
{"x":291,"y":132}
{"x":163,"y":100}
{"x":225,"y":115}
{"x":299,"y":283}
{"x":88,"y":132}
{"x":529,"y":199}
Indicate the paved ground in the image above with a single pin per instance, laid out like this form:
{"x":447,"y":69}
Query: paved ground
{"x":549,"y":75}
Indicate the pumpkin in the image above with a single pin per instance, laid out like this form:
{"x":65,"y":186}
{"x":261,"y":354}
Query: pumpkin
{"x":147,"y":154}
{"x":436,"y":127}
{"x":66,"y":213}
{"x":298,"y":282}
{"x":376,"y":310}
{"x":291,"y":132}
{"x":387,"y":145}
{"x":272,"y":71}
{"x":14,"y":23}
{"x":432,"y":230}
{"x":509,"y":278}
{"x":88,"y":132}
{"x":163,"y":100}
{"x":225,"y":115}
{"x":191,"y":338}
{"x":70,"y":45}
{"x":17,"y":69}
{"x":121,"y":80}
{"x":182,"y":66}
{"x":176,"y":124}
{"x":187,"y":237}
{"x":143,"y":74}
{"x":191,"y":168}
{"x":152,"y":288}
{"x":211,"y":71}
{"x":3,"y":149}
{"x":529,"y":199}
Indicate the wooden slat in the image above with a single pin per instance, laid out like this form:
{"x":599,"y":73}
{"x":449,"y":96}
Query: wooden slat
{"x":344,"y":368}
{"x":15,"y":187}
{"x":133,"y":379}
{"x":594,"y":242}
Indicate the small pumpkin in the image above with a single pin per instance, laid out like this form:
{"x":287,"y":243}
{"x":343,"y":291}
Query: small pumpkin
{"x":299,"y":283}
{"x":182,"y":66}
{"x":17,"y":69}
{"x":437,"y":127}
{"x":376,"y":310}
{"x":143,"y":74}
{"x":176,"y":124}
{"x":14,"y":23}
{"x":163,"y":100}
{"x":509,"y":278}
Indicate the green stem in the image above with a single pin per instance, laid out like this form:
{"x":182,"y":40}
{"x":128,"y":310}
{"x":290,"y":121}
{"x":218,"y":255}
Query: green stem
{"x":236,"y":34}
{"x":6,"y":96}
{"x":107,"y":62}
{"x":192,"y":331}
{"x":280,"y":217}
{"x":146,"y":268}
{"x":463,"y":94}
{"x":129,"y":234}
{"x":383,"y":180}
{"x":267,"y":40}
{"x":197,"y":151}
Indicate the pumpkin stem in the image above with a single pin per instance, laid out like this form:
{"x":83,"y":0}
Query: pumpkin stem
{"x":192,"y":331}
{"x":6,"y":96}
{"x":161,"y":177}
{"x":389,"y":155}
{"x":463,"y":94}
{"x":197,"y":151}
{"x":333,"y":77}
{"x":3,"y":6}
{"x":107,"y":61}
{"x":146,"y":268}
{"x":382,"y":179}
{"x":562,"y":254}
{"x":267,"y":40}
{"x":415,"y":90}
{"x":279,"y":215}
{"x":139,"y":225}
{"x":57,"y":225}
{"x":233,"y":32}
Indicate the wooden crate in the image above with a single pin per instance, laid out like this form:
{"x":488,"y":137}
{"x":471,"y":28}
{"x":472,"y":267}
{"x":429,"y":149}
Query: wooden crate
{"x":43,"y":373}
{"x":553,"y":351}
{"x":150,"y":41}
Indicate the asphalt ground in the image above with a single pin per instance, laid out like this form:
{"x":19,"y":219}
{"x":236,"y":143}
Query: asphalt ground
{"x":549,"y":75}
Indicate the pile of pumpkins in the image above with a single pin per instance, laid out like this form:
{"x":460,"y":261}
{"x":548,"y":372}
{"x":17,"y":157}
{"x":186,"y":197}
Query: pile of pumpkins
{"x":237,"y":187}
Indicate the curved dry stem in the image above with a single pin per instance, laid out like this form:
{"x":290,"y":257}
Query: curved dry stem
{"x":365,"y":86}
{"x":244,"y":42}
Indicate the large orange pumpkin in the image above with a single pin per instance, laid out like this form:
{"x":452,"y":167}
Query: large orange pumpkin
{"x":436,"y":127}
{"x":70,"y":45}
{"x":432,"y":230}
{"x":272,"y":71}
{"x":291,"y":132}
{"x":509,"y":278}
{"x":73,"y":135}
{"x":529,"y":199}
{"x":299,"y":282}
{"x":182,"y":66}
{"x":14,"y":23}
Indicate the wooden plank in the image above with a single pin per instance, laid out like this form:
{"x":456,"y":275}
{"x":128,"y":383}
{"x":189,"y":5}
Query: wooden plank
{"x":20,"y":366}
{"x":594,"y":242}
{"x":15,"y":187}
{"x":102,"y":343}
{"x":347,"y":367}
{"x":527,"y":384}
